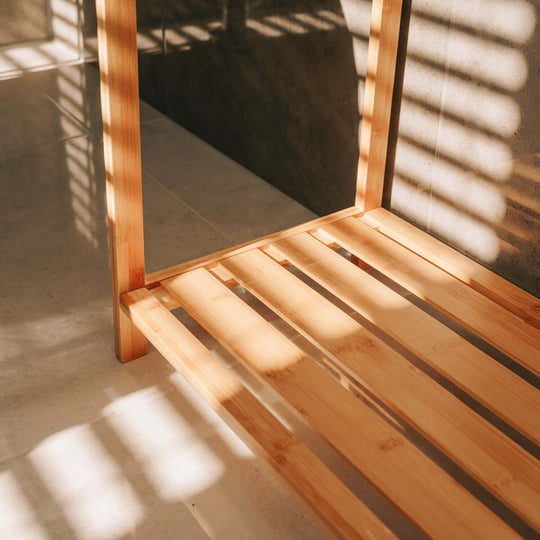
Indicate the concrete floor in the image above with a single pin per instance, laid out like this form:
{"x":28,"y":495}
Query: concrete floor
{"x":90,"y":448}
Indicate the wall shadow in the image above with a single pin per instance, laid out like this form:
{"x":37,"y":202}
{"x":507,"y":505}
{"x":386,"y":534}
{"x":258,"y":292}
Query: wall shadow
{"x":466,"y":133}
{"x":279,"y":97}
{"x":281,"y":94}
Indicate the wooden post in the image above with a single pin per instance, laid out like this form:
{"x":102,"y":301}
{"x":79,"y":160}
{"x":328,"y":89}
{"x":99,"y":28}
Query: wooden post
{"x":117,"y":33}
{"x":379,"y":89}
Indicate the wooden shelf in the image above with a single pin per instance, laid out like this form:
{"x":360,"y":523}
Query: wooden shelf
{"x":406,"y":476}
{"x":400,"y":357}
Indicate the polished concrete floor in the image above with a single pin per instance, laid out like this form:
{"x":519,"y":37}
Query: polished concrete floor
{"x":90,"y":448}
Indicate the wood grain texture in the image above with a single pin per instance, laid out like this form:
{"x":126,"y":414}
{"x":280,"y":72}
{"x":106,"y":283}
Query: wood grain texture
{"x":490,"y":383}
{"x":494,"y":460}
{"x":490,"y":284}
{"x":379,"y":90}
{"x":212,"y":259}
{"x":341,"y":512}
{"x":489,"y":320}
{"x":117,"y":31}
{"x":418,"y":487}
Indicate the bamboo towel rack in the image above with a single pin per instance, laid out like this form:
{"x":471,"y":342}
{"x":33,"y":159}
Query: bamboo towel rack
{"x":490,"y":307}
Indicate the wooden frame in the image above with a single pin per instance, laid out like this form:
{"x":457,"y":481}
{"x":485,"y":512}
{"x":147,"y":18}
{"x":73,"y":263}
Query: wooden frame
{"x":477,"y":299}
{"x":117,"y":38}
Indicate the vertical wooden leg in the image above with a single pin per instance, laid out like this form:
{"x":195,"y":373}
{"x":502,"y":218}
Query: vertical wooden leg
{"x":379,"y":90}
{"x":117,"y":32}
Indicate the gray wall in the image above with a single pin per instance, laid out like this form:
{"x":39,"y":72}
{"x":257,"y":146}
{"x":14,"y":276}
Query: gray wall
{"x":467,"y":166}
{"x":282,"y":97}
{"x":23,"y":21}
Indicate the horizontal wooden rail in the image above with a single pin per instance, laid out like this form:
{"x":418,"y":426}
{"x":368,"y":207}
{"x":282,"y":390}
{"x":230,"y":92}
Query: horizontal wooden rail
{"x":415,"y":484}
{"x":463,"y":435}
{"x":211,"y":260}
{"x":496,"y":387}
{"x":342,"y":512}
{"x":483,"y":316}
{"x":501,"y":291}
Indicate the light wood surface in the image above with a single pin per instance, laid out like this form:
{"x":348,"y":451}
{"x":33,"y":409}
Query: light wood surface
{"x":117,"y":31}
{"x":211,"y":260}
{"x":489,"y":320}
{"x":478,"y":447}
{"x":379,"y":90}
{"x":343,"y":513}
{"x":492,"y":285}
{"x":497,"y":388}
{"x":476,"y":298}
{"x":418,"y":487}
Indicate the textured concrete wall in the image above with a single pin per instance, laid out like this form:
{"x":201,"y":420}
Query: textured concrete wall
{"x":283,"y":99}
{"x":467,"y":166}
{"x":22,"y":21}
{"x":281,"y":94}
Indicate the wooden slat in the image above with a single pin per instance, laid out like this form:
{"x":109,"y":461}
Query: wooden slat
{"x":117,"y":31}
{"x":211,"y":260}
{"x":379,"y":89}
{"x":487,"y":319}
{"x":418,"y":487}
{"x":497,"y":388}
{"x":516,"y":300}
{"x":493,"y":459}
{"x":341,"y":511}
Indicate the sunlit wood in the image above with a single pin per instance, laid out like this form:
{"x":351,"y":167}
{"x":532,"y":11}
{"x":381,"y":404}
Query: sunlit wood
{"x":378,"y":94}
{"x":478,"y":277}
{"x":342,"y":513}
{"x":496,"y":387}
{"x":462,"y":434}
{"x":368,"y":432}
{"x":416,"y":485}
{"x":117,"y":31}
{"x":483,"y":316}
